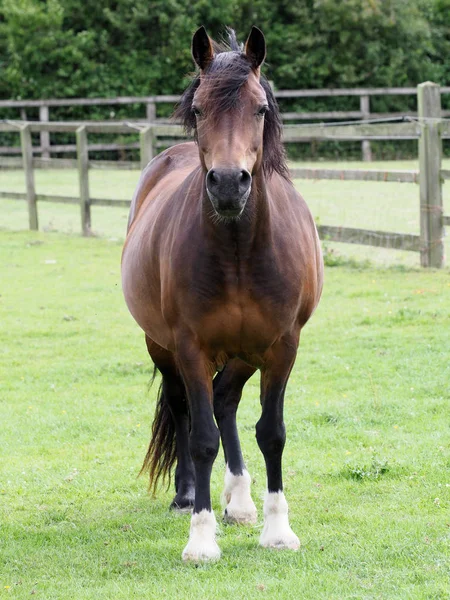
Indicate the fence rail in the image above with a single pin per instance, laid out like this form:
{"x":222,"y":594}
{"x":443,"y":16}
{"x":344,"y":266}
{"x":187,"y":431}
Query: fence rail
{"x":367,"y":237}
{"x":429,"y":130}
{"x":151,"y":104}
{"x":356,"y":175}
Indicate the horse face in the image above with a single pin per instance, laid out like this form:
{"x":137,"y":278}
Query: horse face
{"x":229,"y":107}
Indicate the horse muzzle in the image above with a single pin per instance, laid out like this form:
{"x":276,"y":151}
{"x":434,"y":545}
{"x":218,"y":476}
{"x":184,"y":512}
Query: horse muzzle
{"x":228,"y":190}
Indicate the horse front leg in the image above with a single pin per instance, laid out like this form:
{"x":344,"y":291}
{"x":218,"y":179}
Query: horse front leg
{"x":271,"y":437}
{"x":204,"y":446}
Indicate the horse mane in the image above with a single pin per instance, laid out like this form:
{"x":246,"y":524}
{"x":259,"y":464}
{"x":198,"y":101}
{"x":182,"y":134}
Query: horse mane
{"x":225,"y":77}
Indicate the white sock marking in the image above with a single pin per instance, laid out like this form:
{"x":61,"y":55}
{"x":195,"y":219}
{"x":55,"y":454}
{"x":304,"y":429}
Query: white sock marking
{"x":202,"y":538}
{"x":277,"y":532}
{"x":239,"y":506}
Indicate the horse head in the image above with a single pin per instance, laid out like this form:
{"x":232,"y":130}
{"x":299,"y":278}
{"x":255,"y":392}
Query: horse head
{"x":235,"y":119}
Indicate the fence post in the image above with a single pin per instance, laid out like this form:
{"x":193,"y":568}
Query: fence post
{"x":364,"y":107}
{"x":430,"y":157}
{"x":27,"y":160}
{"x":151,"y":112}
{"x":147,"y":142}
{"x":45,"y":135}
{"x":83,"y":178}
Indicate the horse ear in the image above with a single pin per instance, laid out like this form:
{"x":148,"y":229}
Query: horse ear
{"x":255,"y":47}
{"x":202,"y":50}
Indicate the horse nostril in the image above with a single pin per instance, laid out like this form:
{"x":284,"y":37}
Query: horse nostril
{"x":228,"y":183}
{"x":213,"y":177}
{"x":245,"y":180}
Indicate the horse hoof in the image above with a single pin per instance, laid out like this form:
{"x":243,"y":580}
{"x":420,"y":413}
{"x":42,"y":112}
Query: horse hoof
{"x":182,"y":505}
{"x":186,"y":510}
{"x":202,"y":545}
{"x":282,"y":540}
{"x":277,"y":532}
{"x":236,"y":498}
{"x":204,"y":553}
{"x":292,"y":543}
{"x":240,"y":517}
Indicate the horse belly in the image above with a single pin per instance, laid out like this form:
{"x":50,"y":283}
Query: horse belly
{"x":236,"y":330}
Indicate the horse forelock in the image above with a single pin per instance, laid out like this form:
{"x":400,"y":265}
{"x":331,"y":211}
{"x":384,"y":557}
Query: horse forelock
{"x":222,"y":82}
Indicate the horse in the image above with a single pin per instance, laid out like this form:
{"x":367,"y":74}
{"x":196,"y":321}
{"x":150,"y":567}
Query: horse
{"x":221,"y":268}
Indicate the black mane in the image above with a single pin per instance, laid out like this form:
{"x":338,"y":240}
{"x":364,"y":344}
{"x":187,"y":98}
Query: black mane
{"x":226,"y":74}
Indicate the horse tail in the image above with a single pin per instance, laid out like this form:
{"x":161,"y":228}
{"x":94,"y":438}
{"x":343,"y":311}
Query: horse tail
{"x":162,"y":452}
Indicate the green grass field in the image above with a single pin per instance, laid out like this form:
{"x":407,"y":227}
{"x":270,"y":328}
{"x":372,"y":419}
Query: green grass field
{"x":370,"y":205}
{"x":366,"y":464}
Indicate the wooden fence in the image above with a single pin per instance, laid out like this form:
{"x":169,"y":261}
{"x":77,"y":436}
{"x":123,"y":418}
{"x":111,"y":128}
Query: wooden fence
{"x":151,"y":104}
{"x":428,"y":129}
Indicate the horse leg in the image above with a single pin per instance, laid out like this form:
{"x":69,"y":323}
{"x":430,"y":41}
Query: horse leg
{"x":271,"y":437}
{"x":204,"y":445}
{"x":171,"y":425}
{"x":228,"y":384}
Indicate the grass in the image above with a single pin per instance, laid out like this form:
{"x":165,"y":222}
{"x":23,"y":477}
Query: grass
{"x":366,"y":464}
{"x":370,"y":205}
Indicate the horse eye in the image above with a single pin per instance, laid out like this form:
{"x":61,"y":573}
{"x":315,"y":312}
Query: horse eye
{"x":197,"y":112}
{"x":262,"y":111}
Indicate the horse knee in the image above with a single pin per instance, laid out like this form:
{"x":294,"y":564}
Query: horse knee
{"x":223,"y":411}
{"x":204,"y":446}
{"x":271,"y":438}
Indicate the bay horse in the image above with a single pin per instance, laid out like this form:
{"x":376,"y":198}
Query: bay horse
{"x":221,"y":268}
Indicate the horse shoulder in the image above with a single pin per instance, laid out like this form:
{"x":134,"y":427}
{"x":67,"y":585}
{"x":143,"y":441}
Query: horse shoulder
{"x":182,"y":158}
{"x":298,"y":250}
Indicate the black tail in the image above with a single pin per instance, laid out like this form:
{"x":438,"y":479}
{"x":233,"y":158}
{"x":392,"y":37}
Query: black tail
{"x":161,"y":454}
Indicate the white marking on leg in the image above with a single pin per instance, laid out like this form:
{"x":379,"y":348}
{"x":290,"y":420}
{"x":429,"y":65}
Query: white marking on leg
{"x":277,"y":532}
{"x":239,"y":506}
{"x":202,"y":538}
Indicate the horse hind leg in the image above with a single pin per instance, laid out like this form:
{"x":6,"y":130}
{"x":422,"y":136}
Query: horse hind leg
{"x":236,"y":498}
{"x":169,"y":443}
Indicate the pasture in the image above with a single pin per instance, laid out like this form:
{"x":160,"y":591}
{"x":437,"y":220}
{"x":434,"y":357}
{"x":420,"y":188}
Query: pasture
{"x":367,"y":457}
{"x":372,"y":205}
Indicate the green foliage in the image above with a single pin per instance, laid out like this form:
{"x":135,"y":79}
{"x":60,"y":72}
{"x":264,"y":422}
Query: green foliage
{"x":57,"y":48}
{"x":348,"y":43}
{"x":439,"y":17}
{"x":43,"y":57}
{"x":69,"y":48}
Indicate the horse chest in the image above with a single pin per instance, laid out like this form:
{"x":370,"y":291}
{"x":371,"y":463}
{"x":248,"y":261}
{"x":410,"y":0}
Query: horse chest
{"x":242,"y":308}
